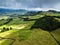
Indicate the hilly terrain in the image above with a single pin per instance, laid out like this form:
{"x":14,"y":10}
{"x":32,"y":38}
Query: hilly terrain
{"x":32,"y":28}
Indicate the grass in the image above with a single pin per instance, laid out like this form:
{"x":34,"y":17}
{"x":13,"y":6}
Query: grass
{"x":40,"y":37}
{"x":32,"y":37}
{"x":4,"y":34}
{"x":15,"y":21}
{"x":56,"y":34}
{"x":26,"y":36}
{"x":6,"y":42}
{"x":2,"y":22}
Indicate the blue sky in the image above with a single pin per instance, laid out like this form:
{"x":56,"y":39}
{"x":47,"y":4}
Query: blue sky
{"x":31,"y":4}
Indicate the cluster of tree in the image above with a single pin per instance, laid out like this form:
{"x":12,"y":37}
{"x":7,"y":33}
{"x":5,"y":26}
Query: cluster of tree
{"x":6,"y":29}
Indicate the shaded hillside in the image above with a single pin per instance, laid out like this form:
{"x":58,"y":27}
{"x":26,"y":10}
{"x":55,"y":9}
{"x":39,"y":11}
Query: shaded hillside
{"x":47,"y":23}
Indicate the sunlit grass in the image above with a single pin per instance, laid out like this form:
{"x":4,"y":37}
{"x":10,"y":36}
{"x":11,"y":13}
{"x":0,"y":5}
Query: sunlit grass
{"x":6,"y":42}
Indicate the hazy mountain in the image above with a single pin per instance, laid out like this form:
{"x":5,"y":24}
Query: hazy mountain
{"x":3,"y":10}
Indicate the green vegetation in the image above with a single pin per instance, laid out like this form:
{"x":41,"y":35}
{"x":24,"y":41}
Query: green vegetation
{"x":48,"y":23}
{"x":40,"y":29}
{"x":6,"y":42}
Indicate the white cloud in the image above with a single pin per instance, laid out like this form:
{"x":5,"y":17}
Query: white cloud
{"x":36,"y":9}
{"x":39,"y":9}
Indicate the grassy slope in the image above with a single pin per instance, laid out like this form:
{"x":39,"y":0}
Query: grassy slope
{"x":36,"y":37}
{"x":56,"y":34}
{"x":5,"y":42}
{"x":30,"y":37}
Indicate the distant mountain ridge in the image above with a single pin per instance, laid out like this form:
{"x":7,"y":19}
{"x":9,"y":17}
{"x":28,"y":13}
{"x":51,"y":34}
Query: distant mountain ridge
{"x":3,"y":10}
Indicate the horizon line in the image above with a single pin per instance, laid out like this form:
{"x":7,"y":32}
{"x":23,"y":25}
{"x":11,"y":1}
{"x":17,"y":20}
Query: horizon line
{"x":31,"y":9}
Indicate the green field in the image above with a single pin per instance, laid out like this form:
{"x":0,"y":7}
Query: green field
{"x":18,"y":31}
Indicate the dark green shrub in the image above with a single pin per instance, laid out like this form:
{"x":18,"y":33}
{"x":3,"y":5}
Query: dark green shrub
{"x":46,"y":23}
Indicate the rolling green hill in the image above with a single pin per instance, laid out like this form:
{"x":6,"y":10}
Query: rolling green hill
{"x":40,"y":29}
